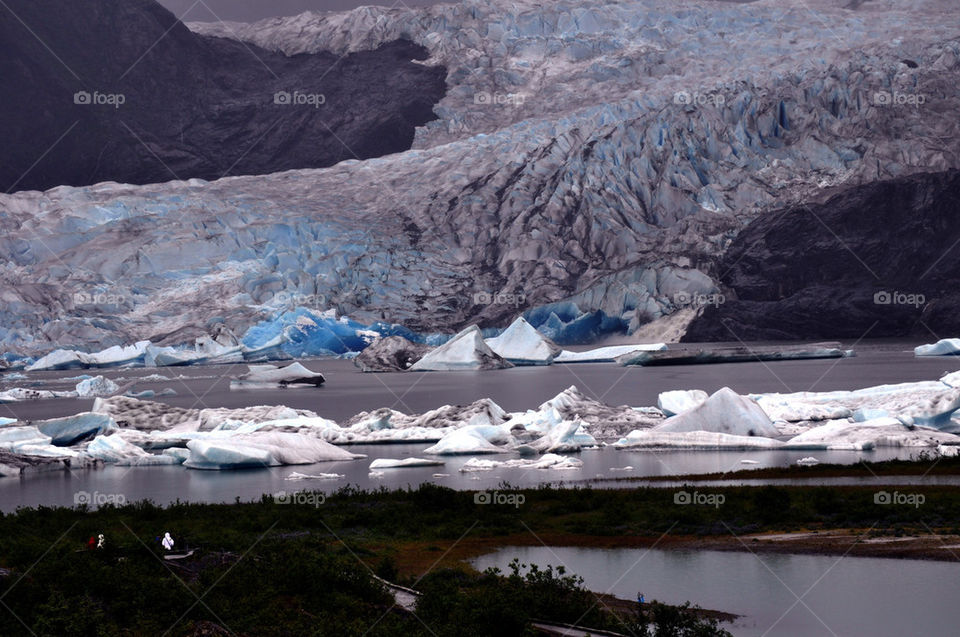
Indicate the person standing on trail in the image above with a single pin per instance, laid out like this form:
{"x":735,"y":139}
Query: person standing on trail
{"x":167,"y":541}
{"x":101,"y":541}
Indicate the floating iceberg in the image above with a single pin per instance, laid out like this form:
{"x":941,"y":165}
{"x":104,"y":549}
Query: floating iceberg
{"x":272,"y":375}
{"x":96,"y":386}
{"x":116,"y":356}
{"x":310,"y":476}
{"x":17,"y":394}
{"x":724,"y":412}
{"x":521,"y":344}
{"x":606,"y":354}
{"x":390,"y":354}
{"x":943,"y":347}
{"x":465,"y":351}
{"x":547,"y":461}
{"x":880,"y":432}
{"x":471,"y":439}
{"x":262,"y":449}
{"x":928,"y":403}
{"x":653,"y":439}
{"x":731,"y":355}
{"x":390,"y":463}
{"x":114,"y":449}
{"x":72,"y":429}
{"x":678,"y":401}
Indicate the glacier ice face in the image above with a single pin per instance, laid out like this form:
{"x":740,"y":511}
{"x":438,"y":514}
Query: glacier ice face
{"x":467,"y":351}
{"x":521,"y":344}
{"x":614,"y":186}
{"x":725,"y":412}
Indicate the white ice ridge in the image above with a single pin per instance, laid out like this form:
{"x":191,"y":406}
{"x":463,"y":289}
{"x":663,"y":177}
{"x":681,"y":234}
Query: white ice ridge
{"x":607,"y":354}
{"x":943,"y":347}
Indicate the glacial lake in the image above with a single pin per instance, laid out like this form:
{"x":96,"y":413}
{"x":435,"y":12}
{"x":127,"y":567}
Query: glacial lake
{"x":838,"y":596}
{"x":348,"y":391}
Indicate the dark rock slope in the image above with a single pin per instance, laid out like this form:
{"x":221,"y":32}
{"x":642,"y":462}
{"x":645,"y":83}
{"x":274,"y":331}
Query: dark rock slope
{"x":877,"y":260}
{"x":120,"y":90}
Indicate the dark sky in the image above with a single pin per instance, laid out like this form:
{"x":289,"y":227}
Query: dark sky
{"x":251,"y":10}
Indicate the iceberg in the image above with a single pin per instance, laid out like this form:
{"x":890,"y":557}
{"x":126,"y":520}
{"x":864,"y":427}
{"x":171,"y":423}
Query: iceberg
{"x":943,"y":347}
{"x":72,"y":429}
{"x":96,"y":386}
{"x":522,"y":344}
{"x":607,"y":354}
{"x":653,"y":439}
{"x":930,"y":403}
{"x":678,"y":401}
{"x":391,"y":463}
{"x":262,"y":449}
{"x":471,"y":439}
{"x":547,"y":461}
{"x":879,"y":432}
{"x":272,"y":375}
{"x":296,"y":475}
{"x":466,"y":351}
{"x":114,"y":449}
{"x":563,"y":436}
{"x":724,"y":412}
{"x":731,"y":355}
{"x":390,"y":354}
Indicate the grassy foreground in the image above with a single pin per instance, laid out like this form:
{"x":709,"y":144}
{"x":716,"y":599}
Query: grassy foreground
{"x":303,"y":566}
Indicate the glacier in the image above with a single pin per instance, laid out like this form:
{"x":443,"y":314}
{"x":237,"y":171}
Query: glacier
{"x":589,"y":164}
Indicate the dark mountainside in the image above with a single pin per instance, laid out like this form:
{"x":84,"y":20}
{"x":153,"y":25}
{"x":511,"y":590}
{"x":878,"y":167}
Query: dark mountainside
{"x":192,"y":106}
{"x":878,"y":260}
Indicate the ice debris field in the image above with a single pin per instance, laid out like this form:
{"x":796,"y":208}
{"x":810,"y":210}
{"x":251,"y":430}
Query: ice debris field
{"x":129,"y":431}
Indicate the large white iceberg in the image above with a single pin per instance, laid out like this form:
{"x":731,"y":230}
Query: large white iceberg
{"x":943,"y":347}
{"x":262,"y":449}
{"x":724,"y":412}
{"x":653,"y":439}
{"x":274,"y":375}
{"x":522,"y":344}
{"x":546,"y":461}
{"x":878,"y":432}
{"x":465,"y":351}
{"x":924,"y":403}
